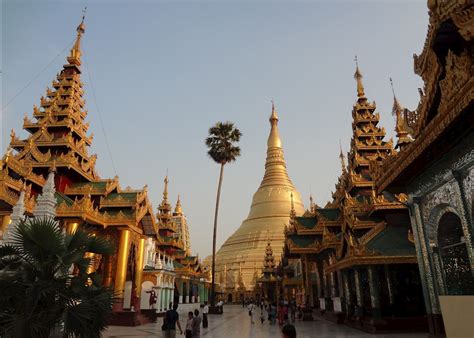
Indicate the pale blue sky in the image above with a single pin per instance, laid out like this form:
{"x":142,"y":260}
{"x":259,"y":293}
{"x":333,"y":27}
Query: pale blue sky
{"x":165,"y":71}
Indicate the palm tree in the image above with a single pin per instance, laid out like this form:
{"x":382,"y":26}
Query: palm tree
{"x":222,"y":149}
{"x":39,"y":293}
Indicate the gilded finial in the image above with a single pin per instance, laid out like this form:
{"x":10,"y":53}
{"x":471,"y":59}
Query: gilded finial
{"x":402,"y":129}
{"x":274,"y":116}
{"x":75,"y":55}
{"x":292,"y":210}
{"x":165,"y":190}
{"x":358,"y":77}
{"x":274,"y":137}
{"x":397,"y":108}
{"x":341,"y":156}
{"x":178,"y":209}
{"x":311,"y":203}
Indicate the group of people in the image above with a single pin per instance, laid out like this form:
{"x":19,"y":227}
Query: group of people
{"x":284,"y":312}
{"x":193,"y":322}
{"x":288,"y":330}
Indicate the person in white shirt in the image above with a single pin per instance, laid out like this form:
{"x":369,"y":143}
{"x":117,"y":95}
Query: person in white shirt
{"x":251,"y":307}
{"x":205,"y":311}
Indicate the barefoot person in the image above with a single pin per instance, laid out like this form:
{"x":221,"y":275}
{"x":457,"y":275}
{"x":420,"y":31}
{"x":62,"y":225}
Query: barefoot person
{"x":205,"y":311}
{"x":196,"y":324}
{"x":251,"y":307}
{"x":170,"y":321}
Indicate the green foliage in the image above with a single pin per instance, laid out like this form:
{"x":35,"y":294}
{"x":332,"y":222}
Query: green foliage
{"x":38,"y":294}
{"x":221,"y":140}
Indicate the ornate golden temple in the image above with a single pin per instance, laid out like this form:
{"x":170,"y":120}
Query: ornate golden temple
{"x":239,"y":261}
{"x":152,"y":251}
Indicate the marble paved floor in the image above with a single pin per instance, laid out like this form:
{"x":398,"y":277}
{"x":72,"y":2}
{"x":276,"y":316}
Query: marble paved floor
{"x":235,"y":323}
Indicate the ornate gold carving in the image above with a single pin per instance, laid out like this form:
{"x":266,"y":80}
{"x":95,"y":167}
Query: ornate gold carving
{"x":458,"y":73}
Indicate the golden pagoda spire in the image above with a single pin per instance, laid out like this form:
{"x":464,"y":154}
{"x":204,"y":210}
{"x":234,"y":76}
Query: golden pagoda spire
{"x":275,"y":166}
{"x":165,"y":190}
{"x":341,"y":156}
{"x":274,"y":138}
{"x":358,"y":77}
{"x":178,"y":209}
{"x":292,"y":210}
{"x":401,"y":127}
{"x":75,"y":54}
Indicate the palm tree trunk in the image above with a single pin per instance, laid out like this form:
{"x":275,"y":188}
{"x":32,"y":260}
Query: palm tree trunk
{"x":213,"y":285}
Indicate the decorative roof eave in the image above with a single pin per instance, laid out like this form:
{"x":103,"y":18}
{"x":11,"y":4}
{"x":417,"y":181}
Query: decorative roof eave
{"x":369,"y":260}
{"x":78,"y":129}
{"x":386,"y":206}
{"x":294,"y":248}
{"x":11,"y":198}
{"x":395,"y":166}
{"x":305,"y":231}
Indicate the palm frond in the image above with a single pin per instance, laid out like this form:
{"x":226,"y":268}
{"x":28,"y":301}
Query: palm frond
{"x":221,"y":142}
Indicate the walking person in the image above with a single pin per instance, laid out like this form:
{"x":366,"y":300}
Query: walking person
{"x":251,"y":307}
{"x":293,"y":310}
{"x":189,"y":325}
{"x":170,"y":320}
{"x":205,"y":311}
{"x":273,"y":313}
{"x":196,"y":324}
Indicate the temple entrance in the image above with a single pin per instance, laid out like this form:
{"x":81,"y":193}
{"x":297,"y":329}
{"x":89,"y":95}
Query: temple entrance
{"x":454,"y":256}
{"x":229,"y":298}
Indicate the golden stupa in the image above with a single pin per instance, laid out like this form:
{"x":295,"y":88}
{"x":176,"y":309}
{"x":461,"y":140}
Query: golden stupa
{"x":240,"y":259}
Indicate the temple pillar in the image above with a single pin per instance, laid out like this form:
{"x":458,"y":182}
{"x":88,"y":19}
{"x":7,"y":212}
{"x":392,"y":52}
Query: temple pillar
{"x":71,"y":227}
{"x":165,"y":298}
{"x":108,"y":271}
{"x":158,"y":298}
{"x":358,"y":291}
{"x":340,"y":290}
{"x":186,"y":295}
{"x":162,"y":298}
{"x":121,"y":269}
{"x":464,"y":215}
{"x":347,"y":292}
{"x":201,"y":293}
{"x":139,"y":271}
{"x":388,"y":279}
{"x":433,"y":312}
{"x":374,"y":292}
{"x":180,"y":290}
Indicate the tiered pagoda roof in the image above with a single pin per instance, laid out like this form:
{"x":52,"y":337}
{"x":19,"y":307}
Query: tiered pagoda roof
{"x":58,"y":138}
{"x":352,"y":228}
{"x":171,"y":242}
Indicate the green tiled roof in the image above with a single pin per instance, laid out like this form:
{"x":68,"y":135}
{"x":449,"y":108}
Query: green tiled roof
{"x":61,"y":198}
{"x":392,"y":241}
{"x":307,"y":222}
{"x":177,"y":265}
{"x":100,"y":185}
{"x":302,"y":241}
{"x":127,"y":212}
{"x":330,"y":214}
{"x":130,"y":196}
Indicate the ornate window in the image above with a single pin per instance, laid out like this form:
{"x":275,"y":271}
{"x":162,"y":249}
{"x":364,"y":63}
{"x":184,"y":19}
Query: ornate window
{"x":454,"y":256}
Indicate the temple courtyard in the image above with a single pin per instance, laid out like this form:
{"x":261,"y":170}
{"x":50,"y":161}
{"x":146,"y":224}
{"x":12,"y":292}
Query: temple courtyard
{"x":236,"y":323}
